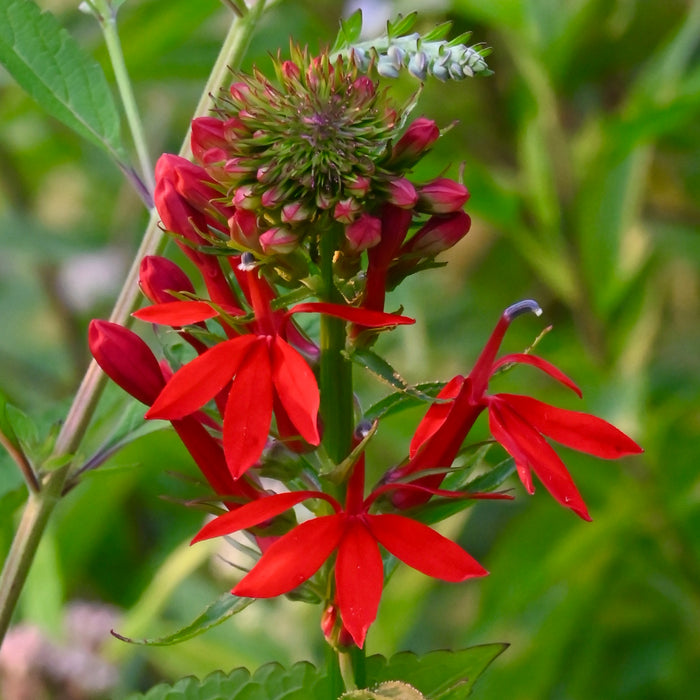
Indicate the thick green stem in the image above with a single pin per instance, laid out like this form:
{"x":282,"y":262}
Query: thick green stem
{"x":41,"y":504}
{"x":335,"y":380}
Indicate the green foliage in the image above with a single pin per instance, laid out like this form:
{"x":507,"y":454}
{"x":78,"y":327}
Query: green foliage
{"x":52,"y":67}
{"x":444,"y":675}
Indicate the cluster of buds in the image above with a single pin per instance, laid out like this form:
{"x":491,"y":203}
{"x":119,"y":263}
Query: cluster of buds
{"x":319,"y":151}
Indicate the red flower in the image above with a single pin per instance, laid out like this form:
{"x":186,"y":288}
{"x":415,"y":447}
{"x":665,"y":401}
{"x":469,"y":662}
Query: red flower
{"x":265,"y":370}
{"x":355,"y":534}
{"x":517,"y":422}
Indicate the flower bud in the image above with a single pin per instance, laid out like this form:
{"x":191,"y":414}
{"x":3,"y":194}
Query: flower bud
{"x":243,"y":227}
{"x":126,"y":360}
{"x":158,"y":277}
{"x":294,"y":212}
{"x":418,"y":138}
{"x":207,"y":133}
{"x":402,"y":193}
{"x":442,"y":196}
{"x":358,"y":185}
{"x":365,"y":232}
{"x":440,"y":233}
{"x":245,"y":198}
{"x":346,"y":210}
{"x":278,"y":241}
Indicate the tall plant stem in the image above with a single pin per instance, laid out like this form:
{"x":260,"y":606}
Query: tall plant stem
{"x":40,"y":504}
{"x":335,"y":380}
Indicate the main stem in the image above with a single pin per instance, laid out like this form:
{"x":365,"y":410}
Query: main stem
{"x":335,"y":380}
{"x":40,"y":505}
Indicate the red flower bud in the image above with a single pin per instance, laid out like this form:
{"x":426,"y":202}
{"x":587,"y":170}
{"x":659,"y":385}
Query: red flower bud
{"x":126,"y":360}
{"x":365,"y":232}
{"x":442,"y":196}
{"x":243,"y":226}
{"x":278,"y":241}
{"x":207,"y":133}
{"x":420,"y":135}
{"x":158,"y":277}
{"x":294,"y":212}
{"x":346,"y":210}
{"x":438,"y":234}
{"x":402,"y":193}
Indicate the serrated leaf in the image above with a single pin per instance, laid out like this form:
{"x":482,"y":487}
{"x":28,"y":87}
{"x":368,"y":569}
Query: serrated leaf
{"x":383,"y":370}
{"x":440,"y":675}
{"x":270,"y":682}
{"x":219,"y":611}
{"x":52,"y":67}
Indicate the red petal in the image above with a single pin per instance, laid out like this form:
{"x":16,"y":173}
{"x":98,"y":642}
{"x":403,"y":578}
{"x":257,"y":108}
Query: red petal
{"x":248,"y":411}
{"x":200,"y":380}
{"x":366,"y":317}
{"x":359,"y":578}
{"x":176,"y":313}
{"x":296,"y":388}
{"x":435,"y":416}
{"x":548,"y":367}
{"x":580,"y":431}
{"x":512,"y":447}
{"x":536,"y":452}
{"x":257,"y":512}
{"x":293,"y":558}
{"x":423,"y":549}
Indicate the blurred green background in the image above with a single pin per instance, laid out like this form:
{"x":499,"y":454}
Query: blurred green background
{"x":582,"y":156}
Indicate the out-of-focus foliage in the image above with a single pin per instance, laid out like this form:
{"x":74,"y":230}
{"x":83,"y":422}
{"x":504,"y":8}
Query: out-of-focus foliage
{"x":581,"y":153}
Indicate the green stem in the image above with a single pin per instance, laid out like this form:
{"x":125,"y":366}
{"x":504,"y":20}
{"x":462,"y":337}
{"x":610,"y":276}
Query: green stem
{"x":335,"y":380}
{"x":40,"y":505}
{"x":107,"y":18}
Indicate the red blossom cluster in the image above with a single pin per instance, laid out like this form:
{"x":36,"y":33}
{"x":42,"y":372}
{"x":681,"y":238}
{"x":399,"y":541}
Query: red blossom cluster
{"x":253,"y":230}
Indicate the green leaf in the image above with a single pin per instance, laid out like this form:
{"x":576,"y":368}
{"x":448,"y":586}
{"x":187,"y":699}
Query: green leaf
{"x":439,"y":675}
{"x":220,"y":610}
{"x":51,"y":66}
{"x":447,"y":675}
{"x":22,"y":426}
{"x":6,"y":427}
{"x":400,"y":401}
{"x":383,"y":370}
{"x":350,"y":30}
{"x":270,"y":682}
{"x":401,"y":25}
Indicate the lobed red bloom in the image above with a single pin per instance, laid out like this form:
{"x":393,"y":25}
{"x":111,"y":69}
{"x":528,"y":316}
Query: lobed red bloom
{"x":264,"y":371}
{"x":355,"y":534}
{"x":517,"y":422}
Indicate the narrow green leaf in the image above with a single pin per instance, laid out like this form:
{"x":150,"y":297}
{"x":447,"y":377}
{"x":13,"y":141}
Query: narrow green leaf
{"x":383,"y":370}
{"x":440,"y":32}
{"x":400,"y":401}
{"x":350,"y":30}
{"x":401,"y":25}
{"x":22,"y":426}
{"x":52,"y":67}
{"x":220,"y":610}
{"x":6,"y":427}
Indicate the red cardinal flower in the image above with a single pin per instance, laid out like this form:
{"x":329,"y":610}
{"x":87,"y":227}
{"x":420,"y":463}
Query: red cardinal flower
{"x":264,"y":371}
{"x":517,"y":422}
{"x":355,"y":534}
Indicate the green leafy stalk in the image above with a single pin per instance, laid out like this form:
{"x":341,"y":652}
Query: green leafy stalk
{"x":40,"y":505}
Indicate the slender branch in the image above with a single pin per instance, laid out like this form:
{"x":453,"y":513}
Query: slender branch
{"x":22,"y":462}
{"x":40,"y":505}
